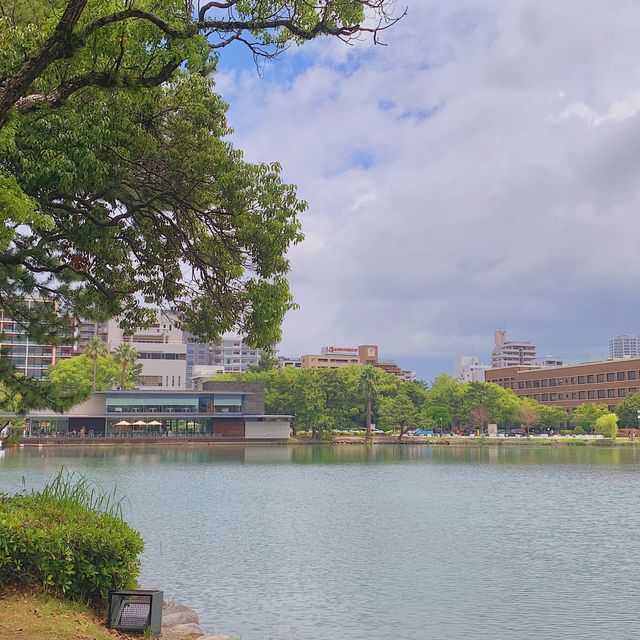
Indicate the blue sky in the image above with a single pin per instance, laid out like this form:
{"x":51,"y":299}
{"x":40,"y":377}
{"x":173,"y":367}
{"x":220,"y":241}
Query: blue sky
{"x":480,"y":171}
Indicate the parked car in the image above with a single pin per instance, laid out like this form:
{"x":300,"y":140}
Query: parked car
{"x":516,"y":433}
{"x":423,"y":432}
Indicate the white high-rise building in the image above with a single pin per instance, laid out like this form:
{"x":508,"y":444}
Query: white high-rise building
{"x":469,"y":369}
{"x":624,"y":346}
{"x":234,"y":355}
{"x":508,"y":353}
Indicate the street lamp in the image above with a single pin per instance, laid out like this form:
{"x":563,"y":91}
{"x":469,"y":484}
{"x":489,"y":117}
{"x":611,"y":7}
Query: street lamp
{"x":633,"y":433}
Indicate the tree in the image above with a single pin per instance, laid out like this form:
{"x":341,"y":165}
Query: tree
{"x":266,"y":361}
{"x":95,"y":349}
{"x":367,"y":387}
{"x":586,"y":415}
{"x":84,"y":375}
{"x":627,"y":411}
{"x":528,"y":414}
{"x":607,"y":425}
{"x":399,"y":412}
{"x":118,"y":189}
{"x":125,"y":355}
{"x":438,"y":414}
{"x":552,"y":417}
{"x":480,"y":417}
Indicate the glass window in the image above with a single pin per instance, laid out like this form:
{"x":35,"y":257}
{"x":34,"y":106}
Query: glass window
{"x":573,"y":380}
{"x":620,"y":375}
{"x":581,"y":395}
{"x":545,"y":397}
{"x":554,"y":396}
{"x":536,"y":384}
{"x":527,"y":384}
{"x":600,"y":377}
{"x":631,"y":375}
{"x":552,"y":382}
{"x":591,"y":395}
{"x":545,"y":383}
{"x":601,"y":393}
{"x":580,"y":379}
{"x":611,"y":393}
{"x":622,"y":393}
{"x":611,"y":377}
{"x":590,"y":379}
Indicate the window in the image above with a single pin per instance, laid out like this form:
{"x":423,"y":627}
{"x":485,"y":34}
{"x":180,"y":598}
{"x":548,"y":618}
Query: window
{"x":581,"y":395}
{"x":600,"y":377}
{"x":631,"y":375}
{"x":580,"y":379}
{"x":552,"y":382}
{"x":545,"y":383}
{"x":611,"y":407}
{"x":633,"y":389}
{"x":611,"y":377}
{"x":591,"y":395}
{"x":573,"y":395}
{"x":536,"y":384}
{"x":622,"y":393}
{"x":527,"y":384}
{"x":611,"y":393}
{"x":573,"y":380}
{"x":545,"y":397}
{"x":536,"y":396}
{"x":590,"y":379}
{"x":601,"y":393}
{"x":554,"y":396}
{"x":620,"y":375}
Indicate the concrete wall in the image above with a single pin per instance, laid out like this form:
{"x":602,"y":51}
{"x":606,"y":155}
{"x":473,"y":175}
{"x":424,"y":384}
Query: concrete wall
{"x":253,"y":401}
{"x":94,"y":406}
{"x":266,"y":429}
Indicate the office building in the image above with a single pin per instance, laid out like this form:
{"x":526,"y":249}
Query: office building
{"x":508,"y":353}
{"x":625,"y":346}
{"x":286,"y":361}
{"x":604,"y":382}
{"x":469,"y":369}
{"x":30,"y":358}
{"x":161,"y":352}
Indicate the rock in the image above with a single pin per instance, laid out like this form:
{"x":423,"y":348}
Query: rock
{"x":180,"y":631}
{"x":175,"y":614}
{"x":216,"y":636}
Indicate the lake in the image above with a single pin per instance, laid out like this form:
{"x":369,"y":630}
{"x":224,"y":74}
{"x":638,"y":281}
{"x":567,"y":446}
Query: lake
{"x":386,"y":542}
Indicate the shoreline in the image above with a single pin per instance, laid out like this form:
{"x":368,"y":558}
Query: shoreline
{"x":435,"y":441}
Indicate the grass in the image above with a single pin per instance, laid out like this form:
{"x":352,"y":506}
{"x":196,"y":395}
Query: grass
{"x":43,"y":617}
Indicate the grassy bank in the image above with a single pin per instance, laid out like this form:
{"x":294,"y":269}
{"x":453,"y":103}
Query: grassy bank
{"x":42,"y":617}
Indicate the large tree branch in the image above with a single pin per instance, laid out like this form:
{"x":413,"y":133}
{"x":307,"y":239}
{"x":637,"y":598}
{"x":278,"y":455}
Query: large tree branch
{"x":102,"y":79}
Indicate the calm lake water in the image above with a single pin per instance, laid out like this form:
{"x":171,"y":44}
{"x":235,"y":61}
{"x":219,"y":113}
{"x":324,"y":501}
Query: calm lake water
{"x":403,"y":543}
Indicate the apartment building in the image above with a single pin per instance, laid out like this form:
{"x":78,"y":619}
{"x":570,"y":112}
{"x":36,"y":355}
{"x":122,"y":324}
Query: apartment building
{"x":509,"y":353}
{"x":625,"y":346}
{"x":604,"y":382}
{"x":469,"y":369}
{"x":235,"y":355}
{"x":30,"y":358}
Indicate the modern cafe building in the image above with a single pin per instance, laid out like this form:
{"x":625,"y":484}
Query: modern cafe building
{"x":221,"y":410}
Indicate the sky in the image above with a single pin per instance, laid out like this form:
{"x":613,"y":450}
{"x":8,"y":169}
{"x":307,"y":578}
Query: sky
{"x":480,"y":171}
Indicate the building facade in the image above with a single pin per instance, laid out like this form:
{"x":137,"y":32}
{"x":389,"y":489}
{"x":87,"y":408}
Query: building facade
{"x":625,"y":346}
{"x":234,"y":355}
{"x":222,"y":410}
{"x":605,"y":382}
{"x":469,"y":369}
{"x":508,"y":353}
{"x":31,"y":358}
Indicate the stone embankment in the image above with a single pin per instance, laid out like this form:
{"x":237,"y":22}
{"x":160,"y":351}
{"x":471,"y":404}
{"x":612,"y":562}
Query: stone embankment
{"x":182,"y":623}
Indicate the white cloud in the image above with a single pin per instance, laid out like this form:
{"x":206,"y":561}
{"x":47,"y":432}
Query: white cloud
{"x":480,"y":170}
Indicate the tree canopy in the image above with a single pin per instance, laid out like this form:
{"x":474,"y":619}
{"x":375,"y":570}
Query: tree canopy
{"x":118,"y":186}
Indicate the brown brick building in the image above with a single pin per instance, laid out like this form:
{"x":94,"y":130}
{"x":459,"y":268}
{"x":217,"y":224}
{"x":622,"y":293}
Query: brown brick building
{"x":605,"y":382}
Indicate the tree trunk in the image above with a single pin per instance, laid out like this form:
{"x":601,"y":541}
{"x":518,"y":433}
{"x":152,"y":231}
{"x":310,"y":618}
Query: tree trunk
{"x":95,"y":373}
{"x":368,"y":434}
{"x":123,"y":374}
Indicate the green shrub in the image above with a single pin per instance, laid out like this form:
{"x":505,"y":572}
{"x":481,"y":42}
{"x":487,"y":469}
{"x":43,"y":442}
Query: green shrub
{"x":578,"y":430}
{"x":69,"y":539}
{"x":566,"y":432}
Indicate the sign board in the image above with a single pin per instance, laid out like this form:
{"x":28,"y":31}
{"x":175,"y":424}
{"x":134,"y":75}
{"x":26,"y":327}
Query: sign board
{"x":492,"y":430}
{"x":341,"y":351}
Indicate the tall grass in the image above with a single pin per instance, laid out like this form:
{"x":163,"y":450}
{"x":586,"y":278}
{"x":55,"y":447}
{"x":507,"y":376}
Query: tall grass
{"x":77,"y":488}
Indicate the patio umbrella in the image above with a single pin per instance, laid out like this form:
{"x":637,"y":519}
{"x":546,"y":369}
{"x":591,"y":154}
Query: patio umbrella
{"x":122,"y":423}
{"x":154,"y":423}
{"x":139,"y":423}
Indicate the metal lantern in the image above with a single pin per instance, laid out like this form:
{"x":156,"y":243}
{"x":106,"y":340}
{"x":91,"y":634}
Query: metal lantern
{"x":136,"y":611}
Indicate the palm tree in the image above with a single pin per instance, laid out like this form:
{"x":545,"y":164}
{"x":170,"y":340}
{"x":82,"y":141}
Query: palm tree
{"x":368,"y":379}
{"x":126,"y":355}
{"x":95,"y":349}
